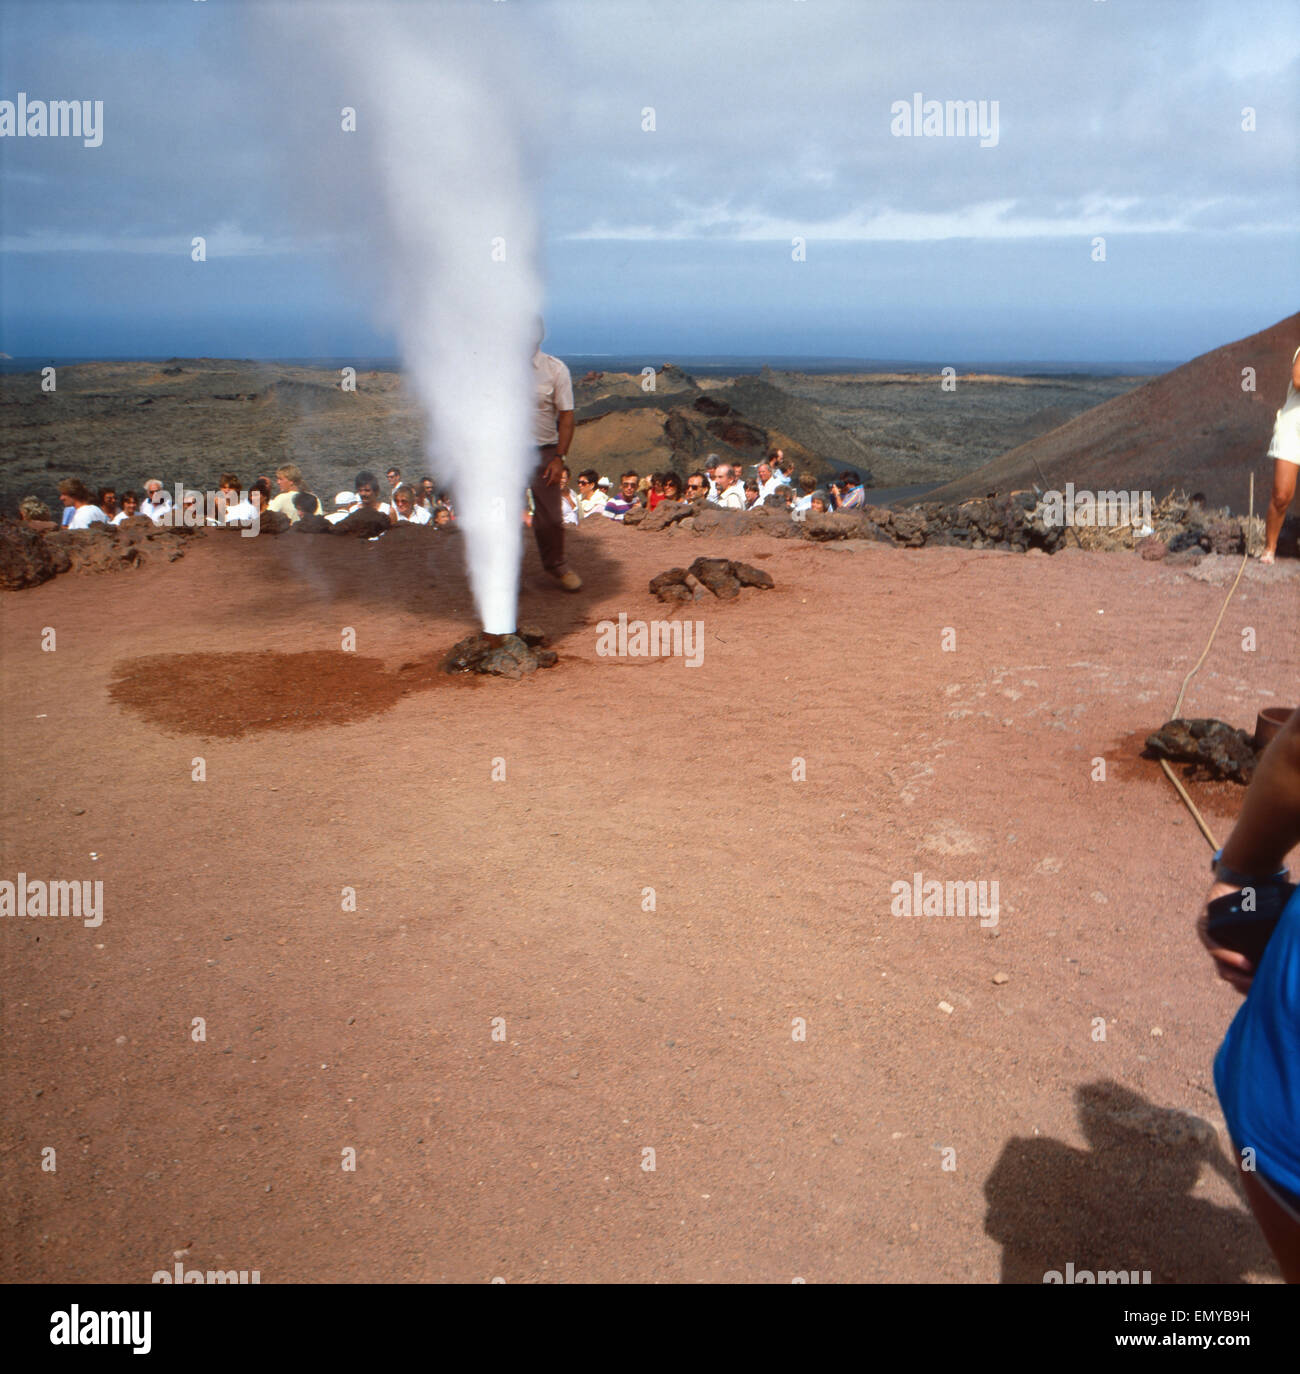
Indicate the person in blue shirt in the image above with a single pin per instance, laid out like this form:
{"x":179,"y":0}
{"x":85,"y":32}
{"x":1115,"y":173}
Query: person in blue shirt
{"x":1257,"y":1068}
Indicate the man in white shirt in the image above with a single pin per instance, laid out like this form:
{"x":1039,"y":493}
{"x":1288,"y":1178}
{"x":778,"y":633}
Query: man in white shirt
{"x":711,"y":472}
{"x":731,"y":495}
{"x":767,"y":482}
{"x":75,"y":495}
{"x":553,"y":433}
{"x":156,"y":504}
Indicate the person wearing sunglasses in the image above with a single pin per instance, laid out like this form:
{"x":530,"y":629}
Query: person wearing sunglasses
{"x":591,"y":499}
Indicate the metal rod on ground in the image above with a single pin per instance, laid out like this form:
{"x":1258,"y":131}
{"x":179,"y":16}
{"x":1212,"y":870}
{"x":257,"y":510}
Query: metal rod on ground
{"x":1178,"y":705}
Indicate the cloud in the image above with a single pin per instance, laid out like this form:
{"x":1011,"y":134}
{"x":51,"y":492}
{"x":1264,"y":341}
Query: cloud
{"x":994,"y":220}
{"x":223,"y":241}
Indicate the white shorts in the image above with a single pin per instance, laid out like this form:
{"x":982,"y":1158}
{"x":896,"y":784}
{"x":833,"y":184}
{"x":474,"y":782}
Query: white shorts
{"x":1285,"y":443}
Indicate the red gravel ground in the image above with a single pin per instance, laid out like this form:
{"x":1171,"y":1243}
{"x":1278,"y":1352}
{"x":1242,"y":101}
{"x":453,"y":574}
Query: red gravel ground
{"x":934,"y":1124}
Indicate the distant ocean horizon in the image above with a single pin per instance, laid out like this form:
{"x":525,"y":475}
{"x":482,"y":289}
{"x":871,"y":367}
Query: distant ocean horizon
{"x":725,"y":364}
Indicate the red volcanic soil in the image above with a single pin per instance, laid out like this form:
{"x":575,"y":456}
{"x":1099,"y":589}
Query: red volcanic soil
{"x":596,"y":915}
{"x":1192,"y":429}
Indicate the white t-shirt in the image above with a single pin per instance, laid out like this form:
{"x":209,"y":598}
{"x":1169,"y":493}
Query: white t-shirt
{"x":570,"y":511}
{"x":119,"y":517}
{"x":554,"y":394}
{"x":85,"y":516}
{"x":240,"y":512}
{"x":155,"y":510}
{"x":418,"y":516}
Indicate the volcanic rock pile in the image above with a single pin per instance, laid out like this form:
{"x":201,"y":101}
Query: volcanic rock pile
{"x":718,"y":577}
{"x":511,"y":656}
{"x":30,"y":556}
{"x":1214,"y":748}
{"x":1180,"y":529}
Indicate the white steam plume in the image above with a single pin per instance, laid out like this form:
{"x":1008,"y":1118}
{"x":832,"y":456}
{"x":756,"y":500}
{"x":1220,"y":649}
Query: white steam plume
{"x":459,"y":248}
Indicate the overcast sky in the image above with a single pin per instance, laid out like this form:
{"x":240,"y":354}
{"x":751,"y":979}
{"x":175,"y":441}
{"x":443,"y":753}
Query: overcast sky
{"x":772,"y":121}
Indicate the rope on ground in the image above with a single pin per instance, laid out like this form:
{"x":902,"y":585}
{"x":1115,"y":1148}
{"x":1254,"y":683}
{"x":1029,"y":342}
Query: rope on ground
{"x":1178,"y":705}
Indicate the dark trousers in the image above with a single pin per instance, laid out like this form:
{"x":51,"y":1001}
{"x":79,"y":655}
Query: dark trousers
{"x":548,"y":514}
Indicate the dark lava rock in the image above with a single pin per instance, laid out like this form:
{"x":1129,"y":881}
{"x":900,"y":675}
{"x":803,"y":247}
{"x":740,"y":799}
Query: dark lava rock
{"x":665,"y":514}
{"x":1189,"y":539}
{"x":25,"y":558}
{"x":720,"y":576}
{"x":749,"y":576}
{"x":363,"y":523}
{"x":910,"y":528}
{"x":504,"y":656}
{"x":634,"y":515}
{"x":1226,"y":536}
{"x":665,"y":579}
{"x":717,"y":576}
{"x":675,"y":591}
{"x":1153,"y":550}
{"x":717,"y":520}
{"x":1214,"y":747}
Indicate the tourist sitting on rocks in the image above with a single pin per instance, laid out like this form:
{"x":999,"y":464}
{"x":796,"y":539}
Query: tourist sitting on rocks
{"x":76,"y":495}
{"x":697,"y":487}
{"x":444,"y":499}
{"x":848,"y":492}
{"x":766,"y":483}
{"x":730,"y":494}
{"x":820,"y":503}
{"x":234,"y":508}
{"x":711,"y":472}
{"x":367,"y":485}
{"x":370,"y":516}
{"x":34,"y":511}
{"x":426,"y":498}
{"x":618,"y":506}
{"x":309,"y":521}
{"x":290,"y":481}
{"x":156,"y":503}
{"x":406,"y":511}
{"x":107,"y":502}
{"x":807,"y":487}
{"x":260,"y":493}
{"x":672,"y":490}
{"x":782,"y":469}
{"x":591,"y":500}
{"x":568,"y":500}
{"x":443,"y":518}
{"x":130,"y":507}
{"x":344,"y":502}
{"x":752,"y":497}
{"x":394,"y":476}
